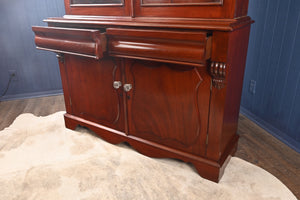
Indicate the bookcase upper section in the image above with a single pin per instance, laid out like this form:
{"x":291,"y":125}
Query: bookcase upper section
{"x":215,"y":9}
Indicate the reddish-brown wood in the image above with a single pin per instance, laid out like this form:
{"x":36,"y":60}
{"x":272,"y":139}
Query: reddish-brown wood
{"x":81,"y":42}
{"x":91,"y":92}
{"x":117,"y":9}
{"x":211,"y":170}
{"x":215,"y":10}
{"x":153,"y":22}
{"x":177,"y":99}
{"x":235,"y":75}
{"x":64,"y":80}
{"x":167,"y":46}
{"x":227,"y":100}
{"x":241,"y":8}
{"x":139,"y":8}
{"x":180,"y":2}
{"x":167,"y":78}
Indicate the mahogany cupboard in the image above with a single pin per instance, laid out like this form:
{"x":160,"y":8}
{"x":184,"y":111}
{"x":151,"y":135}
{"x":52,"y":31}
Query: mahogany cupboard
{"x":163,"y":75}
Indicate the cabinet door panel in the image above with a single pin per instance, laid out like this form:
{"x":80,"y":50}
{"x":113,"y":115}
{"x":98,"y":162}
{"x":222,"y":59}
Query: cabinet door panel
{"x":92,"y":94}
{"x":181,"y":2}
{"x":168,"y":104}
{"x":216,"y":9}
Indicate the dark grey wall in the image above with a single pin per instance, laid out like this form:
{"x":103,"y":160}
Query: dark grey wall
{"x":37,"y":71}
{"x":274,"y":63}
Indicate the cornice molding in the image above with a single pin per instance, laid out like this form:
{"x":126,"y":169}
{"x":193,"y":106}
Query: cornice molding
{"x":148,"y":22}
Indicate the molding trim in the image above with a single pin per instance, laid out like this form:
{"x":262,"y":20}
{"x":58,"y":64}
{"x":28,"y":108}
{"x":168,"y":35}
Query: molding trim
{"x":283,"y":137}
{"x":150,"y":22}
{"x":31,"y":95}
{"x":218,"y":72}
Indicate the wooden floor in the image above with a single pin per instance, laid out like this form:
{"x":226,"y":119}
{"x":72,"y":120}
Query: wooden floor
{"x":255,"y":145}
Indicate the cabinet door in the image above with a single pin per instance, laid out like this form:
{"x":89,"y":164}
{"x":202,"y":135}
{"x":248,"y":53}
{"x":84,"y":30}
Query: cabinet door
{"x":168,"y":104}
{"x":217,"y":9}
{"x":92,"y":95}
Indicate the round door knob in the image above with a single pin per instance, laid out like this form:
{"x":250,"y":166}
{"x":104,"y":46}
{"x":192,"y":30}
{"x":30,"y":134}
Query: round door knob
{"x":117,"y":84}
{"x":127,"y":87}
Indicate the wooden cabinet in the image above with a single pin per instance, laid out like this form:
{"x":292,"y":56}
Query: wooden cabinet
{"x":164,"y":76}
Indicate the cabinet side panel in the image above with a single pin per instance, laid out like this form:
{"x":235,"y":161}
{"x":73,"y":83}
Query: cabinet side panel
{"x":237,"y":53}
{"x":217,"y":100}
{"x":229,"y":48}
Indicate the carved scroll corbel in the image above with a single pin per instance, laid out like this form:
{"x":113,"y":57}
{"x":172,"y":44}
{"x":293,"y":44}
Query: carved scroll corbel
{"x":218,"y":73}
{"x":60,"y":57}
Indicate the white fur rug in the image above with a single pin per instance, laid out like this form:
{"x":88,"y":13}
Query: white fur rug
{"x":41,"y":159}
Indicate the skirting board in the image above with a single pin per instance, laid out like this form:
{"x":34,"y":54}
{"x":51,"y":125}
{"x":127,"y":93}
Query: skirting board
{"x":283,"y":137}
{"x":31,"y":95}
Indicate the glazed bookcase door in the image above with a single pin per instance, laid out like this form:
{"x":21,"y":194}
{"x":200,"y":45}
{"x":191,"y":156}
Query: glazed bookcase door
{"x":98,"y":7}
{"x":168,"y":104}
{"x":186,"y":8}
{"x":96,"y":2}
{"x":92,"y":93}
{"x":180,"y":2}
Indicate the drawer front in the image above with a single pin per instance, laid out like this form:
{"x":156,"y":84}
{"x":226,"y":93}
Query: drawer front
{"x":188,"y":48}
{"x":83,"y":42}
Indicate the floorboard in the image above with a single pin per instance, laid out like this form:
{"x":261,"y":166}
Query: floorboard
{"x":255,"y":145}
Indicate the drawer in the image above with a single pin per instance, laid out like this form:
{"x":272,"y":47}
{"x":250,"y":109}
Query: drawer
{"x":82,"y":42}
{"x":180,"y":47}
